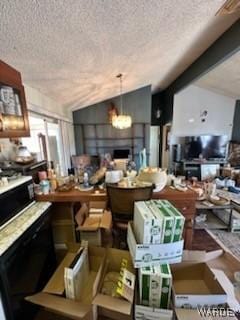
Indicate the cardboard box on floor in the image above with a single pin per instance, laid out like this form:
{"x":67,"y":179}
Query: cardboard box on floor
{"x":223,"y":265}
{"x":150,"y":313}
{"x":195,"y":285}
{"x":93,"y":222}
{"x":52,"y":298}
{"x":144,"y":255}
{"x":110,"y":307}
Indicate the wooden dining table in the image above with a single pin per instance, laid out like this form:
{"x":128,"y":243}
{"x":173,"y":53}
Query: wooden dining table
{"x":74,"y":195}
{"x":185,"y":202}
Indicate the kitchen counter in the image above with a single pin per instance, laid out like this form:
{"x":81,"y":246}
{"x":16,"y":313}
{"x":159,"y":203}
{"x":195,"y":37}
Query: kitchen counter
{"x":10,"y":232}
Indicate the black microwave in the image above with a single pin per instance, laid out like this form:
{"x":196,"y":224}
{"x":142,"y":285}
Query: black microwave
{"x":15,"y":197}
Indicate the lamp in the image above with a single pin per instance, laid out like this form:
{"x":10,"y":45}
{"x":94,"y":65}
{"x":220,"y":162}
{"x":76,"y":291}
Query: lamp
{"x":121,"y":121}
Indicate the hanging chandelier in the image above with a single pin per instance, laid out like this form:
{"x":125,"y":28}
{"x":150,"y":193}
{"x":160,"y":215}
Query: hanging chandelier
{"x":121,"y":121}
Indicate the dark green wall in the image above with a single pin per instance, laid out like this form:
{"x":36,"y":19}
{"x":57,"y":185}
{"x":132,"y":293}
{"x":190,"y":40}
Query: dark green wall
{"x":136,"y":103}
{"x":236,"y":123}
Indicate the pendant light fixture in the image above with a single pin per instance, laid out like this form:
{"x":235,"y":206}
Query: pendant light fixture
{"x":121,"y":121}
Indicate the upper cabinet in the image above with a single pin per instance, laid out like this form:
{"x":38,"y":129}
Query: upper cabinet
{"x":13,"y":107}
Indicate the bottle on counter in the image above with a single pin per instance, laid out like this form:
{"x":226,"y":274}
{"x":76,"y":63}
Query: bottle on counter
{"x":58,"y":170}
{"x":45,"y":186}
{"x":85,"y":180}
{"x":53,"y":183}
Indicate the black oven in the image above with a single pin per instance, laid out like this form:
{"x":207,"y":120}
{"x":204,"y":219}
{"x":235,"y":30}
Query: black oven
{"x":14,"y":199}
{"x":29,"y":262}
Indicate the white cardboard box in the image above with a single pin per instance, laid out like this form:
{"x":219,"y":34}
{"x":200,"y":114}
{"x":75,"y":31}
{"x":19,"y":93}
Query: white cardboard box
{"x":195,"y":285}
{"x":149,"y":313}
{"x":152,"y":254}
{"x":167,"y":219}
{"x":223,"y":265}
{"x":148,"y":227}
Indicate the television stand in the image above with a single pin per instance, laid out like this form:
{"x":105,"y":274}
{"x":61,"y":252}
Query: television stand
{"x":197,"y":168}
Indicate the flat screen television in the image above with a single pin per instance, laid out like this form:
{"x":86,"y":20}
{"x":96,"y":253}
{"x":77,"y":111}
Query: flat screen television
{"x":207,"y":147}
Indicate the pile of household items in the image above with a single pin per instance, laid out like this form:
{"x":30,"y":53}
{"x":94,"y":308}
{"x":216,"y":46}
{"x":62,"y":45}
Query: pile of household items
{"x":155,"y":279}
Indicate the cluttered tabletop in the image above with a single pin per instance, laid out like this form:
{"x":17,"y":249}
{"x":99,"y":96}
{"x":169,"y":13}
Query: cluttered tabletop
{"x":100,"y":194}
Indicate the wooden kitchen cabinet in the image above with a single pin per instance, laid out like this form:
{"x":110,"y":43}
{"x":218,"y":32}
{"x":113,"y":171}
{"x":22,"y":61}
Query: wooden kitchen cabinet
{"x":13,"y":107}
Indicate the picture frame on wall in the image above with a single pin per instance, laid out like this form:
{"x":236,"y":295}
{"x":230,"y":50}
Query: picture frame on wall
{"x":13,"y":108}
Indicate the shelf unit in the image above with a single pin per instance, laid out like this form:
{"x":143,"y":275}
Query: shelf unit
{"x":215,"y":215}
{"x":103,"y":138}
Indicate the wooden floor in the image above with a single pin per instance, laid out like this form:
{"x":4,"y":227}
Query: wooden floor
{"x":203,"y":241}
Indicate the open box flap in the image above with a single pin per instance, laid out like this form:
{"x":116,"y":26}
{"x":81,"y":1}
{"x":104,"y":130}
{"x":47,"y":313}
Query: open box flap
{"x":90,"y":224}
{"x":114,"y":304}
{"x":106,"y":221}
{"x":69,"y":308}
{"x":113,"y":263}
{"x":228,"y":288}
{"x":97,"y":205}
{"x":200,"y":256}
{"x":227,"y":263}
{"x":56,"y":284}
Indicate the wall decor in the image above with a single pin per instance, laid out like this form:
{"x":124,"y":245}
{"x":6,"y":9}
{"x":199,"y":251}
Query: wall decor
{"x":13,"y":109}
{"x":112,"y":112}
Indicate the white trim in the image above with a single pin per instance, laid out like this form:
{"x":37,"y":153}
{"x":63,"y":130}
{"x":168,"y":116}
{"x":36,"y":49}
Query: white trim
{"x":17,"y":215}
{"x":14,"y":184}
{"x":44,"y":112}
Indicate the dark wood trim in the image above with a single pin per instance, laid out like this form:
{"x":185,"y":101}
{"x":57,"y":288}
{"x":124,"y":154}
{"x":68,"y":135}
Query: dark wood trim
{"x":236,"y":122}
{"x":223,"y":48}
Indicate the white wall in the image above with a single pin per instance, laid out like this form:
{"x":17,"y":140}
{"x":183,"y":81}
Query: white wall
{"x":39,"y":102}
{"x":154,"y":146}
{"x":2,"y":314}
{"x":191,"y":102}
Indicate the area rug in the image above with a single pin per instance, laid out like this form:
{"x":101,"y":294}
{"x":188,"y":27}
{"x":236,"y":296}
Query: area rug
{"x":229,"y":240}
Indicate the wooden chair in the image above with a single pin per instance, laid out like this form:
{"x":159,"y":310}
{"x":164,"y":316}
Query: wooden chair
{"x":121,"y":203}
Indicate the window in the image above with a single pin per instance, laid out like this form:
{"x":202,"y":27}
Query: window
{"x":45,"y":140}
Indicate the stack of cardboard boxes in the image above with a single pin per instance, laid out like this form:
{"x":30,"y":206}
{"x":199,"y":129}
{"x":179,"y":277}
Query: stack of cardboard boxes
{"x":171,"y":282}
{"x":157,"y":231}
{"x":170,"y":279}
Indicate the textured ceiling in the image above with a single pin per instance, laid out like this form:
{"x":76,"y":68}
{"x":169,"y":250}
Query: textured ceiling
{"x":71,"y":50}
{"x":224,"y":79}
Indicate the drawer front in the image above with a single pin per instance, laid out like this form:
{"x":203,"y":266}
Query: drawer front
{"x":187,"y":208}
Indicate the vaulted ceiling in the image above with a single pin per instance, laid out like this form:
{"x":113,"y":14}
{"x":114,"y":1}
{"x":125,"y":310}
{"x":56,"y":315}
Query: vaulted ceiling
{"x":71,"y":50}
{"x":224,"y":79}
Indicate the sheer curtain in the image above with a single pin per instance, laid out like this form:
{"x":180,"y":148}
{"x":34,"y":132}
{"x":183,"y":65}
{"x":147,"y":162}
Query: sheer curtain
{"x":68,"y":142}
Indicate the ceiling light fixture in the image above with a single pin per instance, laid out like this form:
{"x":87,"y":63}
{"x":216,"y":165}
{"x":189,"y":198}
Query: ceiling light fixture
{"x":121,"y":121}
